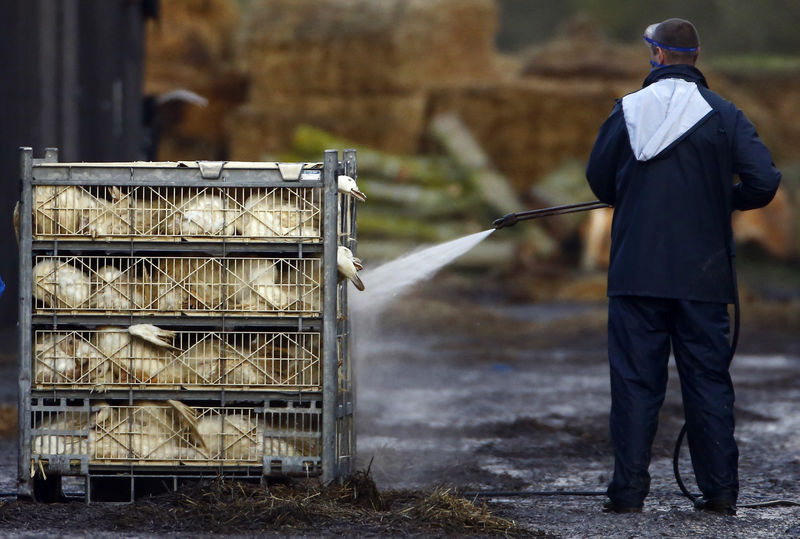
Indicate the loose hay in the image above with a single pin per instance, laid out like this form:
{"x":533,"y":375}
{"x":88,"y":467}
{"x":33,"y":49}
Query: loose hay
{"x":235,"y":507}
{"x":444,"y":510}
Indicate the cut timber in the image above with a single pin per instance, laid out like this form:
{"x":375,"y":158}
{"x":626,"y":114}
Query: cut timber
{"x":493,"y":187}
{"x":310,"y":141}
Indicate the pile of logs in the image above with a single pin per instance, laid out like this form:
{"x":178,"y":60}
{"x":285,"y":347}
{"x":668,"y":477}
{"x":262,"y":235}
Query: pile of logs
{"x":416,"y":200}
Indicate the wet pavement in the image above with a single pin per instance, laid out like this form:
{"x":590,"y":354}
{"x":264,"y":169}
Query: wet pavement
{"x":492,"y":397}
{"x":480,"y":394}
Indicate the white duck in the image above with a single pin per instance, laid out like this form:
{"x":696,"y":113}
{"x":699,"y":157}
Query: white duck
{"x":348,"y":266}
{"x":59,"y":285}
{"x":348,"y":186}
{"x":152,"y":334}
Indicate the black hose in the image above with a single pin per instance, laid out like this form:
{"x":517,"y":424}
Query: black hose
{"x":682,"y":433}
{"x":734,"y":343}
{"x":521,"y":493}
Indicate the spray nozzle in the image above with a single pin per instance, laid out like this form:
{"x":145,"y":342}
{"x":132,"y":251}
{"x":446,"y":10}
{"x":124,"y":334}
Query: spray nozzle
{"x":507,"y":220}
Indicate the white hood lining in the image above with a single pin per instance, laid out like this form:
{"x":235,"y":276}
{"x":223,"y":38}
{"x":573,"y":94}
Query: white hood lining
{"x":658,"y":115}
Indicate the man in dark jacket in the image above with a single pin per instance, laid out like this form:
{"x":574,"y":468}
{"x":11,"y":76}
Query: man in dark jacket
{"x":665,"y":159}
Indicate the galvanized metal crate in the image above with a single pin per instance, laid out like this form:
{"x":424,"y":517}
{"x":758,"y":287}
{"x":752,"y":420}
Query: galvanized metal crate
{"x":231,"y":268}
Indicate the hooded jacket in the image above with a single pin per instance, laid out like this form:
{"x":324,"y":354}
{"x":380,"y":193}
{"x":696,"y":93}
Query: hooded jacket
{"x":665,"y":159}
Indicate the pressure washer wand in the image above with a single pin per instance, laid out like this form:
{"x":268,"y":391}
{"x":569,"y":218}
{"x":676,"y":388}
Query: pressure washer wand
{"x":512,"y":218}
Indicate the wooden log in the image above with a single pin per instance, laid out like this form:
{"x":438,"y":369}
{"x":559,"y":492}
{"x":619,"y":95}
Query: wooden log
{"x":378,"y":224}
{"x":492,"y":186}
{"x":419,"y":201}
{"x":309,"y":142}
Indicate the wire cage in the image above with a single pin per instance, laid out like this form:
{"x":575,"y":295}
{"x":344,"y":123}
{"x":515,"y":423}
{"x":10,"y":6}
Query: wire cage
{"x":171,"y":433}
{"x":183,"y":319}
{"x":112,"y":358}
{"x":119,"y":212}
{"x":88,"y":284}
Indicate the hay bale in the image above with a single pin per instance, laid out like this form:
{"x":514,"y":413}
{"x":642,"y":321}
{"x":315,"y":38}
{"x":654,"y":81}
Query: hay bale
{"x":188,"y":42}
{"x":388,"y":122}
{"x":191,"y":46}
{"x":358,"y":46}
{"x":770,"y":227}
{"x":529,"y":127}
{"x":580,"y":49}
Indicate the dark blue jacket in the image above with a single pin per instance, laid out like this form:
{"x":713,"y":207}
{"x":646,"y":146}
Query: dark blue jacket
{"x":665,"y":159}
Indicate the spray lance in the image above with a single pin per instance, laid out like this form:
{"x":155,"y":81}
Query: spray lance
{"x":513,"y":218}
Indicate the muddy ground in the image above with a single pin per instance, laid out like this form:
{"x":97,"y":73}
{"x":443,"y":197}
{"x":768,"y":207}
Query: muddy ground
{"x":463,"y":387}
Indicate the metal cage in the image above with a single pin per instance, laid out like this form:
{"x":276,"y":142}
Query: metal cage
{"x":183,"y":319}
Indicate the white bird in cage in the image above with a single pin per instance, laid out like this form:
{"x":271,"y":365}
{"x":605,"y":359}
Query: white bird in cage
{"x":251,"y":367}
{"x":347,"y":186}
{"x":138,"y":354}
{"x":151,"y":211}
{"x":271,"y":362}
{"x":153,"y":334}
{"x":59,"y":285}
{"x":148,"y":430}
{"x":110,"y":219}
{"x":348,"y":266}
{"x":267,"y":214}
{"x":201,"y":363}
{"x":61,"y":358}
{"x":201,"y":215}
{"x":118,"y":290}
{"x":232,"y":437}
{"x":199,"y":284}
{"x":59,"y":444}
{"x":259,"y":285}
{"x":62,"y":210}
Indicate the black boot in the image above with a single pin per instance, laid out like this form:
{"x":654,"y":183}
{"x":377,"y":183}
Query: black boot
{"x":716,"y":505}
{"x":611,"y":507}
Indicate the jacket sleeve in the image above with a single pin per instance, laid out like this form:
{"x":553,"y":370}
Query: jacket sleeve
{"x":759,"y":179}
{"x":601,"y":172}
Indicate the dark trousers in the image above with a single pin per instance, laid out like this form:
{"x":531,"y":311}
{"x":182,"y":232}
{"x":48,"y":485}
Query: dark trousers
{"x":640,"y":331}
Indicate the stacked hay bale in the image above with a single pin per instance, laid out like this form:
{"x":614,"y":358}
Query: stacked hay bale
{"x":357,"y":68}
{"x":190,"y":47}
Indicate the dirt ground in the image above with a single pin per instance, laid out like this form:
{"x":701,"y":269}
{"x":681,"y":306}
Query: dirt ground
{"x":461,"y":388}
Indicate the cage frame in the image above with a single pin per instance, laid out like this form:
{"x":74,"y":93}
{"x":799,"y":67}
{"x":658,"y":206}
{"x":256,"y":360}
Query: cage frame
{"x":338,"y":219}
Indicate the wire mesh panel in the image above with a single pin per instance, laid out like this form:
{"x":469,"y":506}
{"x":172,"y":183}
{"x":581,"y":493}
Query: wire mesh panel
{"x":177,"y":213}
{"x":60,"y":431}
{"x":172,"y":433}
{"x":145,"y":356}
{"x":176,"y":285}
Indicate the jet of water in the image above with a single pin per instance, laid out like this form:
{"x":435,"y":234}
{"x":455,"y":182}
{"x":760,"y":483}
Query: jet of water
{"x":389,"y":280}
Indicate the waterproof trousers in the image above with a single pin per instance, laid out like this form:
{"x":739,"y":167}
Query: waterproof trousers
{"x":640,"y":333}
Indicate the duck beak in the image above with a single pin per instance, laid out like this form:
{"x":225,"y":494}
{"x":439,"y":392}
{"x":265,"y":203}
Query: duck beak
{"x":358,"y":195}
{"x":357,"y":263}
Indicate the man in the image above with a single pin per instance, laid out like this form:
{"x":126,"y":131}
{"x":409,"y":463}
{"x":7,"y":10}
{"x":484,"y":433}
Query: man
{"x":666,"y":159}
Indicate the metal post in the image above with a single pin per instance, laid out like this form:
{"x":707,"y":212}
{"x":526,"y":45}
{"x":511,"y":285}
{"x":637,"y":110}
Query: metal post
{"x":349,"y":397}
{"x":329,"y":342}
{"x":24,"y":480}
